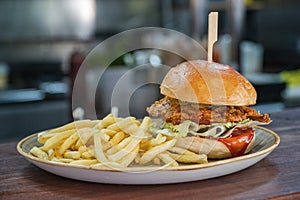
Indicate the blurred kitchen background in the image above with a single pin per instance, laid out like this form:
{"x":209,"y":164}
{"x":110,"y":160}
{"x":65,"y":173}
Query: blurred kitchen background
{"x":43,"y":42}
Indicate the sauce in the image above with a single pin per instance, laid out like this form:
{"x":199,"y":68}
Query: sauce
{"x":238,"y":141}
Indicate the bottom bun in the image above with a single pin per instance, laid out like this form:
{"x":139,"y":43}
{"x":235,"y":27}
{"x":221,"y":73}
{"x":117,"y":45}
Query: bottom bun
{"x":213,"y":148}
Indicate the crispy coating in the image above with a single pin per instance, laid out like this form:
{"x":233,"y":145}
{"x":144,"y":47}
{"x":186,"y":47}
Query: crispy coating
{"x":172,"y":110}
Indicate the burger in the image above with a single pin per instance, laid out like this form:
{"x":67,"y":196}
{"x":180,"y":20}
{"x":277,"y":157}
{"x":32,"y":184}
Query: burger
{"x":206,"y":106}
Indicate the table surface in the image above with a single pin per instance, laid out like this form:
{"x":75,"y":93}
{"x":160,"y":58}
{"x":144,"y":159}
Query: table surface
{"x":275,"y":177}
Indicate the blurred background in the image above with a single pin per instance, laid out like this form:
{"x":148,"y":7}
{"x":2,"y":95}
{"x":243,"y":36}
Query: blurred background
{"x":43,"y":43}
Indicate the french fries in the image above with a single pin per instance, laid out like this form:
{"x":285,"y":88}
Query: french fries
{"x":68,"y":143}
{"x":57,"y":139}
{"x":111,"y":143}
{"x":99,"y":154}
{"x":75,"y":155}
{"x":39,"y":153}
{"x":168,"y":159}
{"x":86,"y":162}
{"x":75,"y":125}
{"x":149,"y":155}
{"x":136,"y":135}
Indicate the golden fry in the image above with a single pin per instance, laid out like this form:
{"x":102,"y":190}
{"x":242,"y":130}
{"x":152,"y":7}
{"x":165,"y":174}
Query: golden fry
{"x":75,"y":125}
{"x":99,"y":154}
{"x":75,"y":155}
{"x":117,"y":138}
{"x":107,"y":121}
{"x":119,"y":146}
{"x":114,"y":127}
{"x":39,"y":153}
{"x":103,"y":136}
{"x":78,"y":144}
{"x":86,"y":134}
{"x":136,"y":136}
{"x":44,"y":136}
{"x":50,"y":154}
{"x":109,"y":132}
{"x":57,"y":139}
{"x":127,"y":126}
{"x":106,"y":145}
{"x":68,"y":143}
{"x":156,"y":161}
{"x":168,"y":160}
{"x":84,"y":162}
{"x":146,"y":123}
{"x":56,"y":153}
{"x":82,"y":149}
{"x":145,"y":145}
{"x":130,"y":157}
{"x":88,"y":154}
{"x":150,"y":154}
{"x":137,"y":158}
{"x":134,"y":120}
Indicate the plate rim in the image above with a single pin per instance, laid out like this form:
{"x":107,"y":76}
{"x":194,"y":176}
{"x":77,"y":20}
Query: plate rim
{"x":151,"y":168}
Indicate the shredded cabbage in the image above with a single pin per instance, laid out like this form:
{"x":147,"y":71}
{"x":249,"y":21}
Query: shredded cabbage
{"x":232,"y":124}
{"x":182,"y":130}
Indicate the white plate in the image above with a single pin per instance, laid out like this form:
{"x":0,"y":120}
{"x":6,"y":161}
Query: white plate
{"x":266,"y":142}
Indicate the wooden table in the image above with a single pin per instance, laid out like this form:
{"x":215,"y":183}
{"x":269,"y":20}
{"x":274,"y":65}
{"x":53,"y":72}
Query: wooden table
{"x":275,"y":177}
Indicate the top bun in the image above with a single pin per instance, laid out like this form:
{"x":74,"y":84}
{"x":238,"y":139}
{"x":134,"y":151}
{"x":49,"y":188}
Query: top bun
{"x":201,"y":82}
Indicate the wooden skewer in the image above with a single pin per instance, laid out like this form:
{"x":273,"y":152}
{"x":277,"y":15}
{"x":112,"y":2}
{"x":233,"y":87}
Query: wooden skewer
{"x":212,"y":33}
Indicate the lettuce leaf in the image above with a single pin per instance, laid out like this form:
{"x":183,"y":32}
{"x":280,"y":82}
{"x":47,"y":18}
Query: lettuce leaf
{"x":182,"y":130}
{"x":232,"y":124}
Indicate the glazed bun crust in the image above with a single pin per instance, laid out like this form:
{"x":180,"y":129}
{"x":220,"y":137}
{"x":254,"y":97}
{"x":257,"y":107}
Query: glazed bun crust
{"x":208,"y":83}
